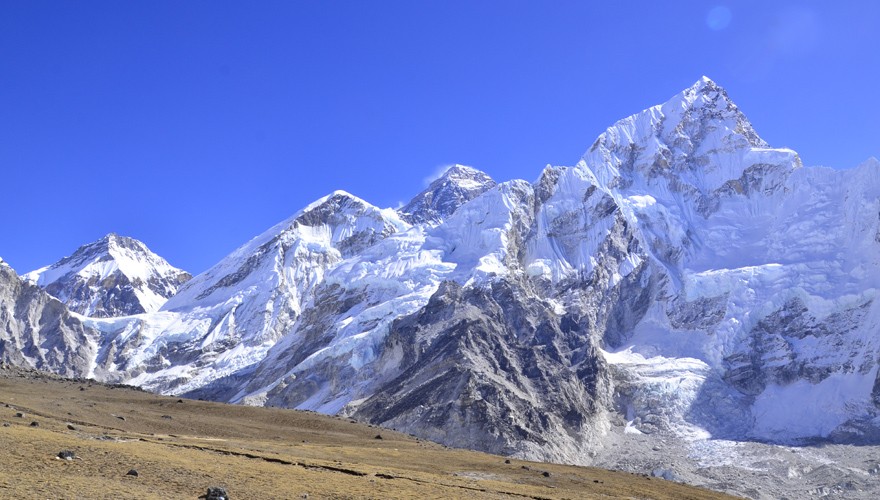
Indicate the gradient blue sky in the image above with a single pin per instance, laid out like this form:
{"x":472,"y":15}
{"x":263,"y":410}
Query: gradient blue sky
{"x":194,"y":126}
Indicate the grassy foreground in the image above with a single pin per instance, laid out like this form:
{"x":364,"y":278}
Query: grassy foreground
{"x":181,"y":447}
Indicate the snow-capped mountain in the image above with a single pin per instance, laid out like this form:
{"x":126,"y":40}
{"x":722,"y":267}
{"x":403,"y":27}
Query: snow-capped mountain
{"x":767,"y":276}
{"x":457,"y":185}
{"x":224,"y":320}
{"x":114,"y":276}
{"x":683,"y":285}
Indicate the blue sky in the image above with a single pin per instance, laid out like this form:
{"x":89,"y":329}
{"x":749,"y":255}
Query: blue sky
{"x":194,"y":126}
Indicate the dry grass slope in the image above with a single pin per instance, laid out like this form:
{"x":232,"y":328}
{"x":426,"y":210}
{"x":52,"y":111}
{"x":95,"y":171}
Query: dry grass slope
{"x":180,"y":447}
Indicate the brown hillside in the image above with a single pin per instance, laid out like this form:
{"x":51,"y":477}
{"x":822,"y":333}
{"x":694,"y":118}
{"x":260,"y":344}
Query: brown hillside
{"x":181,"y":447}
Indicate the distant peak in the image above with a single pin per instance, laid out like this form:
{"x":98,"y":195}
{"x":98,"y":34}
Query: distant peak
{"x":107,"y":247}
{"x":339,"y":193}
{"x":705,"y":81}
{"x":114,"y":240}
{"x":694,"y":136}
{"x":335,"y":198}
{"x":459,"y":169}
{"x":705,"y":93}
{"x":457,"y":185}
{"x":335,"y":206}
{"x":111,"y":239}
{"x":457,"y":173}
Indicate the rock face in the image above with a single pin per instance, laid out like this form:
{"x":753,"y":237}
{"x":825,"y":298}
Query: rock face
{"x":37,"y":331}
{"x":114,"y":276}
{"x":683,"y":283}
{"x":458,"y":185}
{"x":497,"y":363}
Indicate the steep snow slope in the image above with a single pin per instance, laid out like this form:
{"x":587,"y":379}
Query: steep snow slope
{"x":113,"y":276}
{"x":772,"y":269}
{"x":225,"y":319}
{"x":361,"y":297}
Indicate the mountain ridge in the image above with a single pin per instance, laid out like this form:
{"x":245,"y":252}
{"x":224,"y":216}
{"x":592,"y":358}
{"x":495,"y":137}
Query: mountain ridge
{"x":113,"y":276}
{"x":676,"y":284}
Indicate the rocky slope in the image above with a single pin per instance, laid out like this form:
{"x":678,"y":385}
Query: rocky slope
{"x":37,"y":331}
{"x":114,"y":276}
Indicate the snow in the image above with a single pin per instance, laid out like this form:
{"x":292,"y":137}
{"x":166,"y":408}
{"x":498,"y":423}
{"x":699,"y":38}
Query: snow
{"x":106,"y":259}
{"x":802,"y":409}
{"x":660,"y":389}
{"x":732,"y":230}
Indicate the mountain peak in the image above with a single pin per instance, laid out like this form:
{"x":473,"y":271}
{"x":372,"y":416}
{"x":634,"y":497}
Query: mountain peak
{"x":113,"y":276}
{"x":705,"y":95}
{"x":459,"y":171}
{"x":455,"y":187}
{"x":698,"y":137}
{"x":704,"y":81}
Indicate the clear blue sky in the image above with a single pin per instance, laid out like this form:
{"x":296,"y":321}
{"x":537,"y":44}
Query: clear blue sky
{"x":196,"y":125}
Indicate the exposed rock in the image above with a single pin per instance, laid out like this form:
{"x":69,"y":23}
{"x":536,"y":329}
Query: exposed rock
{"x":215,"y":493}
{"x":37,"y":331}
{"x":114,"y":276}
{"x":458,"y":185}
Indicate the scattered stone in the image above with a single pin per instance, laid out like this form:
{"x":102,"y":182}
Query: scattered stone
{"x":6,"y":424}
{"x":82,"y":388}
{"x":166,"y":417}
{"x":507,"y":461}
{"x":120,"y":417}
{"x":215,"y":493}
{"x":180,"y":401}
{"x":305,"y":495}
{"x":66,"y":455}
{"x":378,"y":436}
{"x":35,"y":424}
{"x":132,"y":472}
{"x":19,"y":415}
{"x":664,"y":474}
{"x":71,"y":427}
{"x":546,"y":474}
{"x":526,"y":467}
